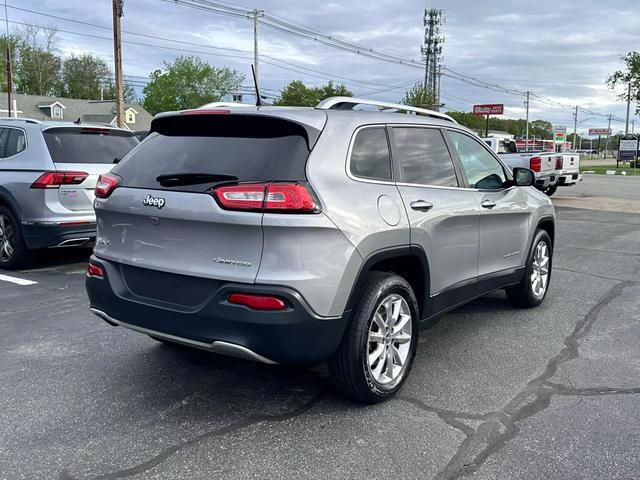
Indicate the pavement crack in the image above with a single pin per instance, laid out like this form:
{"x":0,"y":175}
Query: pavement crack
{"x":50,"y":302}
{"x":450,"y":417}
{"x":566,"y":390}
{"x":169,"y":451}
{"x":500,"y":427}
{"x":589,"y":274}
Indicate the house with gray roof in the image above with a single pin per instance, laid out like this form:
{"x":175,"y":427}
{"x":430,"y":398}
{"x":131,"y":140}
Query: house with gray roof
{"x":72,"y":109}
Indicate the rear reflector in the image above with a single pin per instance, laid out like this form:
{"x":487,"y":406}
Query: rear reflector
{"x":95,"y":271}
{"x":263,"y":197}
{"x":206,"y":112}
{"x":55,"y":179}
{"x":558,"y":163}
{"x":535,"y":164}
{"x":257,"y":302}
{"x":107,"y":183}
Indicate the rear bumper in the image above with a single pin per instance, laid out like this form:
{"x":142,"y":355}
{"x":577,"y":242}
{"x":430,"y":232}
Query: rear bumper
{"x":45,"y":235}
{"x":569,"y":178}
{"x":293,"y":335}
{"x":545,"y":181}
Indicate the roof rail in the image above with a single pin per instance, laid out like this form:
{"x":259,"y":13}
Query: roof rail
{"x":347,"y":103}
{"x":21,"y":119}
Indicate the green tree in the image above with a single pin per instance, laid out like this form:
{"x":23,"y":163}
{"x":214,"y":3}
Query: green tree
{"x":129,"y":93}
{"x":297,"y":94}
{"x":188,"y":82}
{"x":14,"y":43}
{"x":420,"y":95}
{"x":37,"y":67}
{"x":629,"y":76}
{"x":83,"y":76}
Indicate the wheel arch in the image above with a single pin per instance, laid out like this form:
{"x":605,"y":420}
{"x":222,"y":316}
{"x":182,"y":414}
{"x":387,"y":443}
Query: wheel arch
{"x":410,"y":262}
{"x":8,"y":200}
{"x":547,"y":224}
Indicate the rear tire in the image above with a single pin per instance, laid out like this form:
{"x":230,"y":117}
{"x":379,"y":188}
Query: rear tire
{"x":13,"y":251}
{"x":379,"y":345}
{"x":533,"y":287}
{"x":550,"y":190}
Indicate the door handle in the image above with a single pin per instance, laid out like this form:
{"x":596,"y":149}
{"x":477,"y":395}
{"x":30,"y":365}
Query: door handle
{"x":421,"y":205}
{"x":488,"y":204}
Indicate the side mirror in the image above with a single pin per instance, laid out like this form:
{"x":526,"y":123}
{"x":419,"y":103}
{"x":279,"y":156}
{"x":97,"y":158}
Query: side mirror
{"x":523,"y":177}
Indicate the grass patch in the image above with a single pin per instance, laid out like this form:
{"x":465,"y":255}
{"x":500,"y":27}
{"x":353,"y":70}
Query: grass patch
{"x":602,"y":169}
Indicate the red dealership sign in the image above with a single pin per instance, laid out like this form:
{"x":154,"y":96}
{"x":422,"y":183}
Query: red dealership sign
{"x":489,"y":109}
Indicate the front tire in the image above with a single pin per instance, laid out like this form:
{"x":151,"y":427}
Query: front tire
{"x":379,"y":345}
{"x":533,"y":287}
{"x":13,"y":251}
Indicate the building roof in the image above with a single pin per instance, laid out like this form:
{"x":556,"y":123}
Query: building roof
{"x":100,"y":111}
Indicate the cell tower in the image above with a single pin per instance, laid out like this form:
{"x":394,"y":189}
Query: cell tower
{"x":432,"y":50}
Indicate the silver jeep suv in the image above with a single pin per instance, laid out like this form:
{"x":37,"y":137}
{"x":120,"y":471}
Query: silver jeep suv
{"x":298,"y":235}
{"x":48,"y":171}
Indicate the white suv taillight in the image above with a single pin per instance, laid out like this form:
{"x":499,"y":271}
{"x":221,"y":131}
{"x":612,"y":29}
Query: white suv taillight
{"x":55,"y":179}
{"x":264,"y":197}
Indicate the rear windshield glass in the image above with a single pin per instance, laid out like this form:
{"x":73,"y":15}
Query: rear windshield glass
{"x":231,"y":148}
{"x":88,"y":145}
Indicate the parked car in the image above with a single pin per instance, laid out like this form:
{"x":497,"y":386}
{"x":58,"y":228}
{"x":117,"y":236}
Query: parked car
{"x":48,"y":172}
{"x":295,"y":235}
{"x":543,"y":164}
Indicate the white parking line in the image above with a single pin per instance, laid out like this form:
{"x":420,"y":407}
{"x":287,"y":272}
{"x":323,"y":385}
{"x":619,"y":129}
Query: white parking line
{"x":17,"y":281}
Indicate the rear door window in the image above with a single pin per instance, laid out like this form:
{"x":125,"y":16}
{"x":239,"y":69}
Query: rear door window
{"x":235,"y":148}
{"x":423,"y":157}
{"x":370,"y":154}
{"x":88,"y":145}
{"x":16,"y":142}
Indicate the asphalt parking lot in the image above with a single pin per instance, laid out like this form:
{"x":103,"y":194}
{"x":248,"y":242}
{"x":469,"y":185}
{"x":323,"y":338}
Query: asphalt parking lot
{"x":495,"y":393}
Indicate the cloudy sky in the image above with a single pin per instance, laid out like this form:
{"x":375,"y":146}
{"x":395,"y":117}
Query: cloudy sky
{"x":560,"y":50}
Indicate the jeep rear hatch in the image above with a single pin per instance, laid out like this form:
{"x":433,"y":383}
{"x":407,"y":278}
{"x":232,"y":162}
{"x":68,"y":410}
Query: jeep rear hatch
{"x":191,"y":197}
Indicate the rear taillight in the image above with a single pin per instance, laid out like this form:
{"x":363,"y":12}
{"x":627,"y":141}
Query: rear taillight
{"x":257,"y":302}
{"x":107,"y":183}
{"x":535,"y":164}
{"x":55,"y":179}
{"x":558,"y":163}
{"x":280,"y":197}
{"x":95,"y":271}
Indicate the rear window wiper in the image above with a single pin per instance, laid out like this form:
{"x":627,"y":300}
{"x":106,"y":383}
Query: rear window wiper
{"x":179,"y":179}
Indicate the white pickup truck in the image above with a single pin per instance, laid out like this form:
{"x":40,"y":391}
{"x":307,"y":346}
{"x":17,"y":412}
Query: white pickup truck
{"x":552,"y":169}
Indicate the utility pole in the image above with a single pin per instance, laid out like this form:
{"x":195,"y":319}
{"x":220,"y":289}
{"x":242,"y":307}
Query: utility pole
{"x":606,"y":144}
{"x":255,"y":14}
{"x":117,"y":56}
{"x":626,"y":125}
{"x":526,"y":141}
{"x":575,"y":128}
{"x":9,"y":69}
{"x":431,"y":51}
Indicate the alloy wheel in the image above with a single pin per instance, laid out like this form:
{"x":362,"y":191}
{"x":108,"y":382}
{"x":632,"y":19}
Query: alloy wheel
{"x":6,"y":239}
{"x":389,"y":340}
{"x":540,"y":270}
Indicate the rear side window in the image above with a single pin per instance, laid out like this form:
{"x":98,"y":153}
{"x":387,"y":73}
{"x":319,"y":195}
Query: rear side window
{"x":423,"y":157}
{"x":235,"y":148}
{"x":370,"y":154}
{"x":88,"y":145}
{"x":16,"y":142}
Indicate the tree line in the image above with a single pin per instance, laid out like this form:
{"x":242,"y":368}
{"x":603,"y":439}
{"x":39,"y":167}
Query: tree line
{"x":39,"y":70}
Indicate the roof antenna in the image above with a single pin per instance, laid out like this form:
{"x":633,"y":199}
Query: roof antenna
{"x":255,"y":83}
